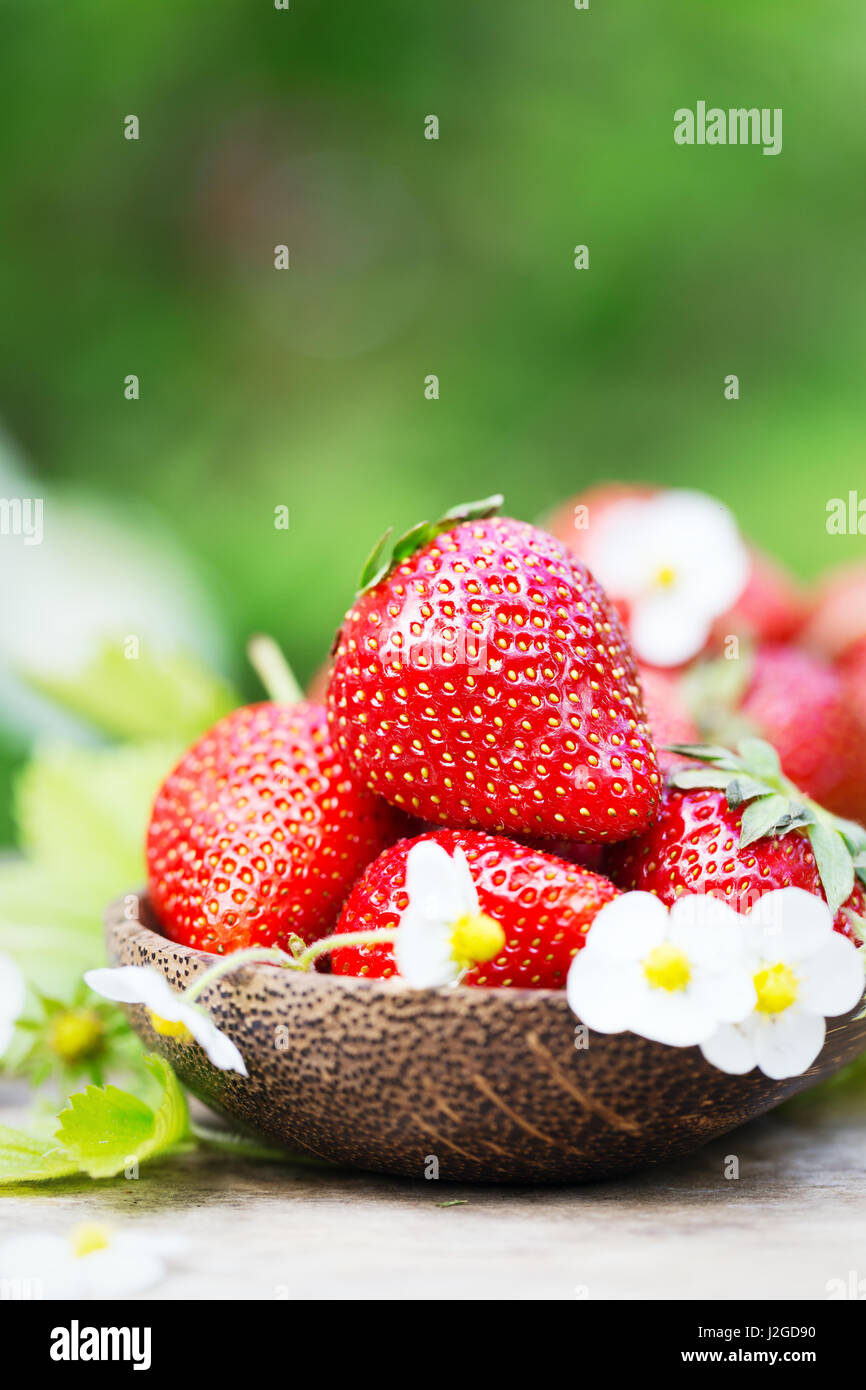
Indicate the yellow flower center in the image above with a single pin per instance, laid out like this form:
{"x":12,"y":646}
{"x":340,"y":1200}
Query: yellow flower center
{"x":75,"y":1034}
{"x":170,"y":1027}
{"x":777,"y":988}
{"x":89,"y":1236}
{"x":666,"y":577}
{"x":474,"y":938}
{"x":667,"y":967}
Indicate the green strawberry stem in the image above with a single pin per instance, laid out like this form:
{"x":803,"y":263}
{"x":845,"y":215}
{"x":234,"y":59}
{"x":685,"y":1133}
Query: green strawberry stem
{"x":254,"y":955}
{"x":272,"y":669}
{"x":341,"y":939}
{"x":272,"y":955}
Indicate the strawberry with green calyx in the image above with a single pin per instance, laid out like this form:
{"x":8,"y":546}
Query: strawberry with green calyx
{"x":260,"y":830}
{"x":482,"y":679}
{"x":737,"y":827}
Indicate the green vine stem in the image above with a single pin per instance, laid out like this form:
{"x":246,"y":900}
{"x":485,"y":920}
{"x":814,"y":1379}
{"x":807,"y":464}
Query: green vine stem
{"x":272,"y":955}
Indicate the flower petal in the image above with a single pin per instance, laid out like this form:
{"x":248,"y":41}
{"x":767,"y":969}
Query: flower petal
{"x":728,"y":996}
{"x":793,"y":924}
{"x":788,"y":1043}
{"x":423,"y":951}
{"x":113,"y":1273}
{"x":127,"y":984}
{"x":666,"y":629}
{"x":219,"y":1048}
{"x":832,"y":979}
{"x":603,"y":992}
{"x":670,"y":1016}
{"x":621,"y":551}
{"x":731,"y":1048}
{"x":627,"y":927}
{"x":439,"y":888}
{"x":710,"y":932}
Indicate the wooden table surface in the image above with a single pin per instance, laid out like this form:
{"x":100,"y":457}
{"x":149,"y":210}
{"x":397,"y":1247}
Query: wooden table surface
{"x":793,"y":1220}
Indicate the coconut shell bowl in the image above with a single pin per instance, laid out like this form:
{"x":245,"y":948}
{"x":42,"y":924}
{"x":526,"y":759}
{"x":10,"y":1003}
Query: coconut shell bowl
{"x":499,"y":1085}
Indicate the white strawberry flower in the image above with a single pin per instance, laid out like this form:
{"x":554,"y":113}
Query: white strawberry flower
{"x":669,"y":975}
{"x":442,"y":930}
{"x":90,"y":1261}
{"x":12,"y":992}
{"x":803,"y":971}
{"x":170,"y":1014}
{"x":677,"y":560}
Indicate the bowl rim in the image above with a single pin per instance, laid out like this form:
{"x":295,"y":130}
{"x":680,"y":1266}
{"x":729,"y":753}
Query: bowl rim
{"x":117,"y":919}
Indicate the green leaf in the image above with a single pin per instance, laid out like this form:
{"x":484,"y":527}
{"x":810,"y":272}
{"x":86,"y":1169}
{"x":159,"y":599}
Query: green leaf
{"x":706,"y":753}
{"x":412,"y":540}
{"x":740,"y":789}
{"x":834,"y":862}
{"x":52,"y":933}
{"x":760,"y":759}
{"x":101,"y":1131}
{"x":376,"y":565}
{"x":27,"y":1158}
{"x":144,"y":697}
{"x":762,"y":816}
{"x":104,"y":1128}
{"x":854,"y":836}
{"x":685,"y":778}
{"x":83,"y":812}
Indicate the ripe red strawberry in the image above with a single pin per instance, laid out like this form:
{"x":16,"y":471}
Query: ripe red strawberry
{"x":544,"y":905}
{"x":484,"y":680}
{"x":799,"y":704}
{"x":709,"y":840}
{"x":260,"y":832}
{"x":802,"y":706}
{"x":836,"y":624}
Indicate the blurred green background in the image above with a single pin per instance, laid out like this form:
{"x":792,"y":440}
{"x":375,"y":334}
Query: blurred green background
{"x":305,"y":388}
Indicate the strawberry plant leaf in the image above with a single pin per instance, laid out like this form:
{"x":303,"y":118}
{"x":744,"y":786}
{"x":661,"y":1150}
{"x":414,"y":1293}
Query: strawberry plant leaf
{"x":760,"y":759}
{"x":762,"y":816}
{"x":685,"y":778}
{"x":28,"y":1158}
{"x":83,"y":812}
{"x":853,"y":834}
{"x":150,"y":696}
{"x":835,"y":866}
{"x":101,"y":1131}
{"x":740,"y":789}
{"x":104,"y":1129}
